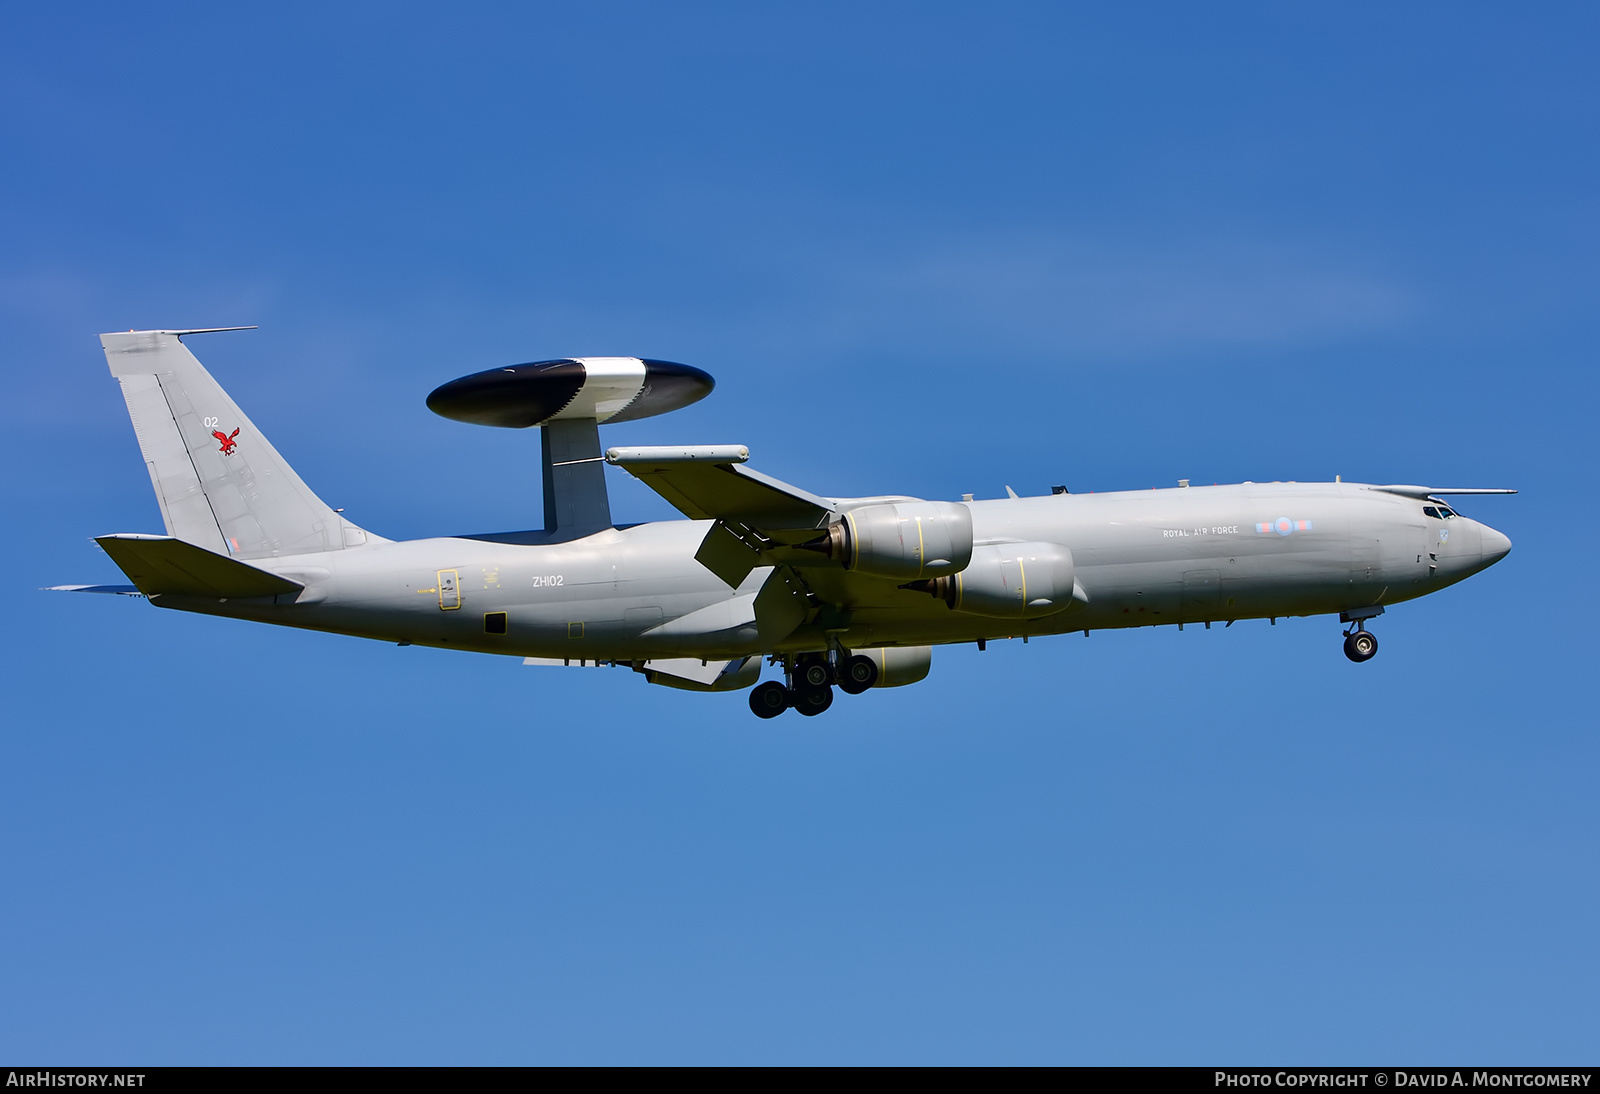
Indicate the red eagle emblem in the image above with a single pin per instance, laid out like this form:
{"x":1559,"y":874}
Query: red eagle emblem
{"x":227,"y":439}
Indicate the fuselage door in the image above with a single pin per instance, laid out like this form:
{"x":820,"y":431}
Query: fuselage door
{"x":449,"y":590}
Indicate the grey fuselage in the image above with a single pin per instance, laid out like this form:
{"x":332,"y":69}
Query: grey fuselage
{"x":1142,"y":558}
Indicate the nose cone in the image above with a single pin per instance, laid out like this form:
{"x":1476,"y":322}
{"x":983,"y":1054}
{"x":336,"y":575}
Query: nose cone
{"x":1495,"y":545}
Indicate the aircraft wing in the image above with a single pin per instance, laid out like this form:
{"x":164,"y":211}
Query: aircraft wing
{"x":1424,"y":493}
{"x":710,"y":483}
{"x":687,"y":673}
{"x":753,"y":512}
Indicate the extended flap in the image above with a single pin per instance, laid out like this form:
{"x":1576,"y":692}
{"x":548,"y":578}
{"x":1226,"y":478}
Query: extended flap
{"x":161,"y":565}
{"x":728,"y":554}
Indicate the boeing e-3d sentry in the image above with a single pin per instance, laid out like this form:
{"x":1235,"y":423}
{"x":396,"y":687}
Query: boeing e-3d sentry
{"x":846,"y":592}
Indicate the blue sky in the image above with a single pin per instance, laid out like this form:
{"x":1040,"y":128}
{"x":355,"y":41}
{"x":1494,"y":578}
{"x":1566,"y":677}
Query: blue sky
{"x":927,"y":249}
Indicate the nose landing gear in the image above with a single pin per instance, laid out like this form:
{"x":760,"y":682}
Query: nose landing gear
{"x":1359,"y":644}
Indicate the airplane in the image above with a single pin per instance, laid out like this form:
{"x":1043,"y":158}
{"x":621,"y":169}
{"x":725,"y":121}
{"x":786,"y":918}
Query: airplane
{"x":850,"y":593}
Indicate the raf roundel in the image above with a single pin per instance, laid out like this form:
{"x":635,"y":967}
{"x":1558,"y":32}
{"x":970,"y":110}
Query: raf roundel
{"x":1283,"y":526}
{"x":604,"y":389}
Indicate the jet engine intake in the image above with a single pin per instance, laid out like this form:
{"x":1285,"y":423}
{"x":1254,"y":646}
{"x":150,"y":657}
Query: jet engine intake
{"x":906,"y":539}
{"x":1010,"y":581}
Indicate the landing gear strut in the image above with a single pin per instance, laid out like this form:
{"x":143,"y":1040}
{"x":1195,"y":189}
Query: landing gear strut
{"x":1359,"y":645}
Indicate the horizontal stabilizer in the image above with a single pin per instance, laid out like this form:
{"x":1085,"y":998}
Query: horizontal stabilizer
{"x":120,"y":590}
{"x":161,"y":565}
{"x":702,"y":488}
{"x":194,"y":330}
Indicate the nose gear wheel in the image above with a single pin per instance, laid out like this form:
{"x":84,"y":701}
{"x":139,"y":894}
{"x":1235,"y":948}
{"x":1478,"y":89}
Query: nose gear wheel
{"x":1360,"y":646}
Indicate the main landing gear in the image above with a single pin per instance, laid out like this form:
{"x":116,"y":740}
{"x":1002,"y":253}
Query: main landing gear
{"x":810,"y":690}
{"x":1359,"y":645}
{"x":769,"y":700}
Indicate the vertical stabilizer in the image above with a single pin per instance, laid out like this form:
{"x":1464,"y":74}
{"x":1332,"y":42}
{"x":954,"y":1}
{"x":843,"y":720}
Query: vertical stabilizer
{"x":575,"y":500}
{"x":220,"y":483}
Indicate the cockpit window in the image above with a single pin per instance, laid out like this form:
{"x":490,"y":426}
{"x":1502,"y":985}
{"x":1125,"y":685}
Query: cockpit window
{"x":1446,"y":513}
{"x":1430,"y":511}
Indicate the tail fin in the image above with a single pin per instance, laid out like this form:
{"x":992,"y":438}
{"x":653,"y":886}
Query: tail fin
{"x":220,"y":484}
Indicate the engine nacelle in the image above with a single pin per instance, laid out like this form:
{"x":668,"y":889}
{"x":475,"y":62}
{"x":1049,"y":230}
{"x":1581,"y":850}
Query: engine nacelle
{"x":900,"y":665}
{"x":905,"y":539}
{"x":1011,"y":581}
